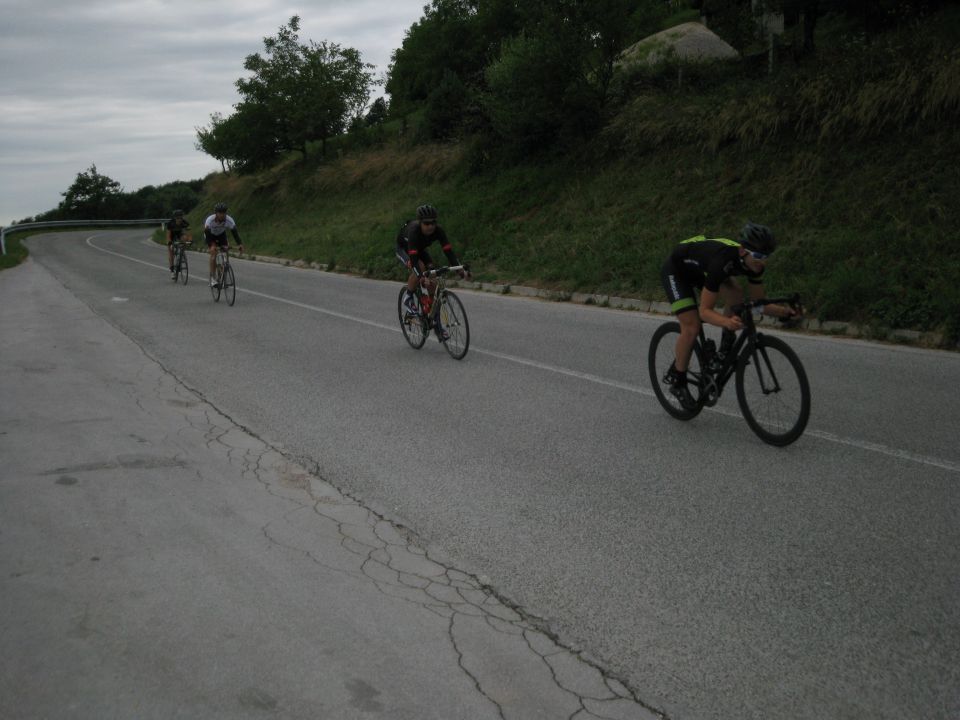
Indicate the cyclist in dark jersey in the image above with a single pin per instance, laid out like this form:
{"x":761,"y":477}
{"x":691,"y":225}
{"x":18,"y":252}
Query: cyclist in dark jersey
{"x":412,"y":243}
{"x":175,"y":229}
{"x":710,"y":266}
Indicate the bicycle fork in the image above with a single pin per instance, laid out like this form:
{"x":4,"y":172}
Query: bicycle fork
{"x":770,"y":384}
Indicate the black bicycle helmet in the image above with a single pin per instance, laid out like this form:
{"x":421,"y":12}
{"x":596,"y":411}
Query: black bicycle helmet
{"x":426,"y":212}
{"x":178,"y":213}
{"x":220,"y":207}
{"x":758,"y":238}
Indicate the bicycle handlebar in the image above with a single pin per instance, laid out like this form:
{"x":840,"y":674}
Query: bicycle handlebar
{"x":437,"y":272}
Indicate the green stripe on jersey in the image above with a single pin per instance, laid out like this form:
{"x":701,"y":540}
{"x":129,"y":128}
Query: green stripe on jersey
{"x":703,"y":238}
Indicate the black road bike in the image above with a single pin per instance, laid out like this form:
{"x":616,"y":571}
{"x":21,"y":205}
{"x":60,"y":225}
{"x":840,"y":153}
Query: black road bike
{"x":772,"y":387}
{"x":437,"y":309}
{"x":226,"y":283}
{"x":181,"y":270}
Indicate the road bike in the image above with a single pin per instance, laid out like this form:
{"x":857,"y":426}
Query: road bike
{"x":223,"y":274}
{"x":437,"y":309}
{"x":181,"y":269}
{"x":772,"y":387}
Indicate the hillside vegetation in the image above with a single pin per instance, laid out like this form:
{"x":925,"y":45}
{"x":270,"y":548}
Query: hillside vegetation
{"x":851,"y":161}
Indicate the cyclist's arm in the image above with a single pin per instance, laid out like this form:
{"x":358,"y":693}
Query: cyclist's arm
{"x":757,"y":292}
{"x":447,"y":248}
{"x":413,"y":252}
{"x":708,"y":313}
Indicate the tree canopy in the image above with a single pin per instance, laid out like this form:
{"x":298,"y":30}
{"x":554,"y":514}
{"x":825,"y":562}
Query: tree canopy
{"x":296,"y":94}
{"x":94,"y":196}
{"x":91,"y":196}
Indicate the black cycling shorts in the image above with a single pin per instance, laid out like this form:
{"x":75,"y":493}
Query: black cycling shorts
{"x":680,"y":293}
{"x":220,"y":240}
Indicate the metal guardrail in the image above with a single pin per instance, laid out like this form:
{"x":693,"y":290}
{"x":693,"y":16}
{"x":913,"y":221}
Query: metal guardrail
{"x":72,"y":223}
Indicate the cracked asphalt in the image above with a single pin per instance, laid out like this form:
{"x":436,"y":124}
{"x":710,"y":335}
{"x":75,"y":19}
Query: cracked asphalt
{"x":159,"y":560}
{"x":709,"y":575}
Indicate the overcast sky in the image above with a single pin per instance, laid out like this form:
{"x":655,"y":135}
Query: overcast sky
{"x":124,"y":83}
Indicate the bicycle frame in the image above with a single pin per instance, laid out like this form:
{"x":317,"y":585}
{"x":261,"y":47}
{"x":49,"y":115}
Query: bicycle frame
{"x":224,"y":252}
{"x":714,"y":383}
{"x":436,"y":279}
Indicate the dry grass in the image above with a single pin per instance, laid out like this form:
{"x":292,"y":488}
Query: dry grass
{"x":387,"y":166}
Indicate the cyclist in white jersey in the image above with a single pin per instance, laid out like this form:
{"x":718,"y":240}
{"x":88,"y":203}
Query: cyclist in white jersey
{"x":215,"y":231}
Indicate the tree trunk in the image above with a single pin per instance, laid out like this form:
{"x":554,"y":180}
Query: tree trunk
{"x":809,"y":24}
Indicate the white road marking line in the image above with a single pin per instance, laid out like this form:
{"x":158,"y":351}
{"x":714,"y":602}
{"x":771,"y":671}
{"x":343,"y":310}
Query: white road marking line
{"x":865,"y":445}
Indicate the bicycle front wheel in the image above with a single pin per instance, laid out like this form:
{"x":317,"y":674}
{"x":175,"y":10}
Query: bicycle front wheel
{"x":183,"y":269}
{"x":663,"y":348}
{"x":229,"y":285}
{"x":773,"y":391}
{"x":413,"y":325}
{"x":215,"y":288}
{"x":453,"y":319}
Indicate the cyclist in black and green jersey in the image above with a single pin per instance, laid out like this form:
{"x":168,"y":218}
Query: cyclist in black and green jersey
{"x":710,"y":266}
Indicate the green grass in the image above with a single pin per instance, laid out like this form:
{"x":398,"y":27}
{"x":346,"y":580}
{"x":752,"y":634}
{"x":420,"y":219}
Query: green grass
{"x":16,"y":252}
{"x":852,"y":162}
{"x":864,"y":226}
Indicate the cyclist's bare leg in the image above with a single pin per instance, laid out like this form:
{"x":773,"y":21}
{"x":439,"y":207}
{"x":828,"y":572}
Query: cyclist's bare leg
{"x":212,"y":247}
{"x":413,"y":280}
{"x":689,"y":329}
{"x":170,"y":254}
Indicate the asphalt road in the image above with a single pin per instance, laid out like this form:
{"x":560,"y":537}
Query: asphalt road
{"x":716,"y":576}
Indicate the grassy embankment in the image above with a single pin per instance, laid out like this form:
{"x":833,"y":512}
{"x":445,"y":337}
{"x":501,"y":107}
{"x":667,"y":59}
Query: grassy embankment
{"x":16,"y":252}
{"x":852,"y":162}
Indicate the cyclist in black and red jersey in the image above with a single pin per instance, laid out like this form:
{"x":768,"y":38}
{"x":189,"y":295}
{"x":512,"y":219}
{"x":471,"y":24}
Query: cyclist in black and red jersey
{"x":412,"y":243}
{"x":176,"y":226}
{"x":710,"y":265}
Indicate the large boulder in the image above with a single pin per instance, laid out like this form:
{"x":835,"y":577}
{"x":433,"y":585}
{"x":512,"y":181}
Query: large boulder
{"x":691,"y":42}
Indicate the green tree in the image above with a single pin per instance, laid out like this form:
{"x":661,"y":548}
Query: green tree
{"x":92,"y":196}
{"x":552,"y":80}
{"x":310,"y":92}
{"x":733,"y":20}
{"x":447,"y":39}
{"x":378,"y":112}
{"x":215,"y":141}
{"x":446,"y":106}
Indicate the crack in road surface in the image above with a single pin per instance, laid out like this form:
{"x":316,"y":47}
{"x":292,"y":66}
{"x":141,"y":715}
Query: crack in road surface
{"x":511,"y":660}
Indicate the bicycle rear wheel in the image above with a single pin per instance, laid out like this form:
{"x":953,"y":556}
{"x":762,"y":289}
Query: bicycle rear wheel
{"x":453,"y":319}
{"x":183,"y":270}
{"x":773,"y":391}
{"x":414,"y":326}
{"x":660,"y":361}
{"x":229,"y":285}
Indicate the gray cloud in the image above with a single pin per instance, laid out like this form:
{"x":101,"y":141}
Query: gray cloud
{"x":124,"y":84}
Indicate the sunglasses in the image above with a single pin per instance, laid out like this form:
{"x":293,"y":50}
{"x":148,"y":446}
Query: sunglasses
{"x":758,"y":255}
{"x":428,"y":222}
